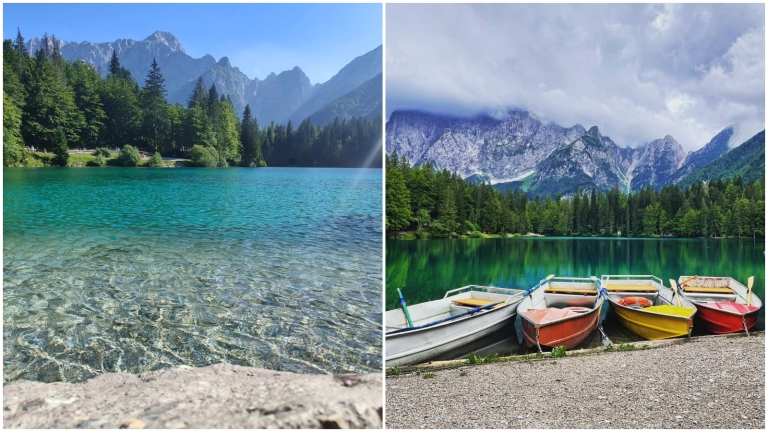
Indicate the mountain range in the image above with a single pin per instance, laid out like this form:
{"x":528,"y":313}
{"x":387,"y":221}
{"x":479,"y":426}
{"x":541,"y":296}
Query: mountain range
{"x":288,"y":95}
{"x":520,"y":151}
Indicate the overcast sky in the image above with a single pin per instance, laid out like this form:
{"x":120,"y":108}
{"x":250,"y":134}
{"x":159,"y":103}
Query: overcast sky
{"x":638,"y":72}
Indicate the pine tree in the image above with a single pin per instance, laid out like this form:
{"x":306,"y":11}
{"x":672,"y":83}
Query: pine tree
{"x":12,"y":143}
{"x":398,"y":211}
{"x":60,"y":148}
{"x":154,"y":107}
{"x":12,"y":84}
{"x":213,"y":98}
{"x":23,"y":54}
{"x":120,"y":97}
{"x":85,"y":83}
{"x":246,"y":139}
{"x":114,"y":64}
{"x":199,"y":96}
{"x":47,"y":46}
{"x":56,"y":58}
{"x":49,"y":107}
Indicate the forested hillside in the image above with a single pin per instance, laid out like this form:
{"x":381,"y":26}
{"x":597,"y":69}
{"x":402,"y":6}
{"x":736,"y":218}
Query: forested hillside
{"x":441,"y":204}
{"x":746,"y":160}
{"x":52,"y":105}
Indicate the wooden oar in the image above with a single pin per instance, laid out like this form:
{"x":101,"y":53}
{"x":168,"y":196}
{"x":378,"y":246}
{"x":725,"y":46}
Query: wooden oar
{"x":673,"y":285}
{"x":688,"y":280}
{"x":750,"y":281}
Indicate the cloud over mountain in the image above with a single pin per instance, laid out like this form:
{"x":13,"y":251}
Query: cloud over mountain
{"x":684,"y":70}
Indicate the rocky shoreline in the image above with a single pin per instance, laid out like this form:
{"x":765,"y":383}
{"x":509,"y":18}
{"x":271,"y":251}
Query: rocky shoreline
{"x":710,"y":382}
{"x":218,"y":396}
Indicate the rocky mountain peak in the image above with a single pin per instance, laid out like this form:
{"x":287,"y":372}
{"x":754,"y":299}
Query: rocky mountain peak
{"x":275,"y":98}
{"x":167,"y":39}
{"x":520,"y":151}
{"x":224,"y":62}
{"x":716,"y":147}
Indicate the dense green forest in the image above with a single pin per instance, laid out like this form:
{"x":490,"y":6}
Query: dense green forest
{"x":53,"y":105}
{"x":441,"y":204}
{"x":746,"y":160}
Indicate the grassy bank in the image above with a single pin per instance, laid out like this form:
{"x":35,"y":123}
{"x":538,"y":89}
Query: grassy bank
{"x":557,"y":353}
{"x":39,"y":159}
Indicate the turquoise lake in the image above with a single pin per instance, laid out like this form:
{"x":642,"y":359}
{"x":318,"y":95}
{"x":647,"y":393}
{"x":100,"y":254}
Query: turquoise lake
{"x":425,"y":269}
{"x":115,"y":269}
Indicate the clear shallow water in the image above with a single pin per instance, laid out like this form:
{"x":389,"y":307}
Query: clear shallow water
{"x":131,"y":270}
{"x":425,"y":269}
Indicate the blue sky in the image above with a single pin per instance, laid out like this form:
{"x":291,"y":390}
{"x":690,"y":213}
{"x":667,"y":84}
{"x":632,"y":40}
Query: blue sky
{"x":257,"y":38}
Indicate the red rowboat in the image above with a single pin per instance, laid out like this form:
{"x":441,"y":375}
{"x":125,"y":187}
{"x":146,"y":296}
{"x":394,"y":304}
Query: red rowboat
{"x":560,"y":311}
{"x":724,"y":305}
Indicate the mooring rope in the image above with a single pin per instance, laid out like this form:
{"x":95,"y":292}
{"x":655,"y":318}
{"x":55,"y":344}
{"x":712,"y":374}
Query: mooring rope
{"x":537,"y":340}
{"x":745,"y":325}
{"x":690,"y":329}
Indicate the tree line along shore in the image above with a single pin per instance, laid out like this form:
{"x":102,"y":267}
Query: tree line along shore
{"x":429,"y":203}
{"x":51,"y":105}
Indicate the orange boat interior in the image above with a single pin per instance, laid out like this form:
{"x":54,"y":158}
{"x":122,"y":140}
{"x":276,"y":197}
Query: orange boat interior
{"x":542,"y":316}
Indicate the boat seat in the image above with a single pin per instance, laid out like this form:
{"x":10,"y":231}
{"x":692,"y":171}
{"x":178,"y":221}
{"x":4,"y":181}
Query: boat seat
{"x":633,"y":288}
{"x":719,"y":290}
{"x":571,"y":291}
{"x":474,"y":302}
{"x":670,"y":310}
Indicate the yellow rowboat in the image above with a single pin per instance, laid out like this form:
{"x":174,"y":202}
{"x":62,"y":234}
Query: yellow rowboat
{"x":647,"y":308}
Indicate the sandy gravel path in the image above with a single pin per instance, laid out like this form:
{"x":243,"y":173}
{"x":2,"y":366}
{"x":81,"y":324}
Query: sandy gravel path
{"x":219,"y":396}
{"x":707,"y":383}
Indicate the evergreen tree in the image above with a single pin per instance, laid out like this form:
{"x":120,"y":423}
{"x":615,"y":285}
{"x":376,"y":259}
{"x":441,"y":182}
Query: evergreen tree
{"x":120,"y":98}
{"x":114,"y":64}
{"x":13,"y":151}
{"x":154,"y":107}
{"x":12,"y":84}
{"x":85,"y":83}
{"x":60,"y":148}
{"x":199,"y":96}
{"x":213,"y":100}
{"x":56,"y":58}
{"x":398,"y":214}
{"x":21,"y":51}
{"x":247,"y":140}
{"x":49,"y":108}
{"x":47,"y":46}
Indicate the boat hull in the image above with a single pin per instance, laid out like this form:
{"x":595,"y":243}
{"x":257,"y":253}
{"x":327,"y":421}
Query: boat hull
{"x":569,"y":332}
{"x":651,"y":326}
{"x":721,"y":322}
{"x":418,"y":346}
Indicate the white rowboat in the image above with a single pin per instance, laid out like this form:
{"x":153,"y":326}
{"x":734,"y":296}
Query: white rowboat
{"x":462,"y":316}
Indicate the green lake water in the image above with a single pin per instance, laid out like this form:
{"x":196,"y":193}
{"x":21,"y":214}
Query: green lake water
{"x":113,"y":269}
{"x":425,"y":269}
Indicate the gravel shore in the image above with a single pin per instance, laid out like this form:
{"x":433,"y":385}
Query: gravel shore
{"x":706,"y":383}
{"x":219,"y":396}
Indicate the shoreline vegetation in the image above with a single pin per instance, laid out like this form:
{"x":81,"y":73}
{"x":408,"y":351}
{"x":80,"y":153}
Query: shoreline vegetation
{"x":51,"y":106}
{"x":423,"y":202}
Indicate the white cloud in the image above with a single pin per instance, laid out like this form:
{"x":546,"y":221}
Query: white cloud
{"x":639,"y":72}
